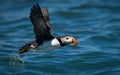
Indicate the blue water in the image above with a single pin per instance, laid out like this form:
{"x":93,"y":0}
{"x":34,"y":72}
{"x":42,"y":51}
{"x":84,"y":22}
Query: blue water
{"x":95,"y":23}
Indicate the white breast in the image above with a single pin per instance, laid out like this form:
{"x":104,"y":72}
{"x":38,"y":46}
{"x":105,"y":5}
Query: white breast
{"x":55,"y":42}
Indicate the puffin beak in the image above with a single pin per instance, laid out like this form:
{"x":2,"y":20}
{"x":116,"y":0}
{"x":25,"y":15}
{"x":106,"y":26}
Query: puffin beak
{"x":74,"y":41}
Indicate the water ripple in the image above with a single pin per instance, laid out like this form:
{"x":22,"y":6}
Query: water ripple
{"x":95,"y":23}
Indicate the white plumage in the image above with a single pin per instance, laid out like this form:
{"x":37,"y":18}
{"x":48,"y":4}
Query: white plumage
{"x":55,"y":42}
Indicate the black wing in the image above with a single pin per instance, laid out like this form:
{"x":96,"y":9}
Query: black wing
{"x":40,"y":20}
{"x":46,"y":16}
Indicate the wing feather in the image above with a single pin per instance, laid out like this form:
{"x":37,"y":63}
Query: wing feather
{"x":40,"y":20}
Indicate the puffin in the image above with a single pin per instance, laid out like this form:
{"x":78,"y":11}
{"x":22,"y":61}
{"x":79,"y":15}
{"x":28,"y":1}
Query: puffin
{"x":42,"y":30}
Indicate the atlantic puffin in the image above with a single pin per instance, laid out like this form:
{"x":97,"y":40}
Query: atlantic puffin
{"x":42,"y":30}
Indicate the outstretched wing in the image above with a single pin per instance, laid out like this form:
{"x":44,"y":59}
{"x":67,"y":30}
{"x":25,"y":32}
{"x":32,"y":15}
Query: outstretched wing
{"x":40,"y":20}
{"x":46,"y":16}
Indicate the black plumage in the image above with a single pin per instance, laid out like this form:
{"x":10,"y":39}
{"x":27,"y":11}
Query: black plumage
{"x":40,"y":20}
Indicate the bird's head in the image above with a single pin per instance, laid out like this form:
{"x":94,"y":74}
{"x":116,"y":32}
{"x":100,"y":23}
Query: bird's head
{"x":69,"y":40}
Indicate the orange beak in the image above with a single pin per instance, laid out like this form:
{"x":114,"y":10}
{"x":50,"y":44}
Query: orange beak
{"x":74,"y":41}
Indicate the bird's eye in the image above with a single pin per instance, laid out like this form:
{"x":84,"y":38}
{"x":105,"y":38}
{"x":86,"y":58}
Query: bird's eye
{"x":67,"y":38}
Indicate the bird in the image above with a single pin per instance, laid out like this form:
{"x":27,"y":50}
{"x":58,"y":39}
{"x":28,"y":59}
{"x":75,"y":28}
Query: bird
{"x":42,"y":30}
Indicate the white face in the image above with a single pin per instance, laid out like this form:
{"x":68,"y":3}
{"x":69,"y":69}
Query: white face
{"x":69,"y":40}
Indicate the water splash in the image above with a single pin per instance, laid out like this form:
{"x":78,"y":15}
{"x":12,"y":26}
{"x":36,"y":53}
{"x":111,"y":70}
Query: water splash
{"x":15,"y":60}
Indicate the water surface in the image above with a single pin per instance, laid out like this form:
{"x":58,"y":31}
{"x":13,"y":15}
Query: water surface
{"x":95,"y":23}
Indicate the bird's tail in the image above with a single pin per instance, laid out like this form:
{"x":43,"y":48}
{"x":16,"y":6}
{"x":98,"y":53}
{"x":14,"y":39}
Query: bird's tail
{"x":27,"y":47}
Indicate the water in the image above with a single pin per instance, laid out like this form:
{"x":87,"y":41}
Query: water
{"x":95,"y":23}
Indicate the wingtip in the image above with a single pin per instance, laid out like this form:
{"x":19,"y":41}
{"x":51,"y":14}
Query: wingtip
{"x":35,"y":5}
